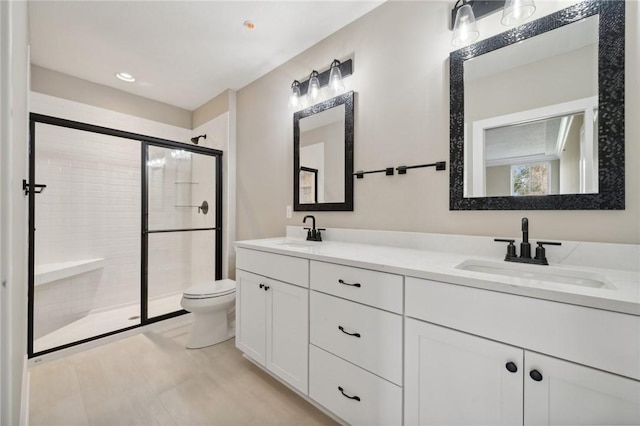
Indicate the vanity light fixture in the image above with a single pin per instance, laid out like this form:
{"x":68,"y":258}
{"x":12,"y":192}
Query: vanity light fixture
{"x":125,"y":76}
{"x":294,"y":96}
{"x":333,"y":77}
{"x":465,"y":14}
{"x":314,"y":86}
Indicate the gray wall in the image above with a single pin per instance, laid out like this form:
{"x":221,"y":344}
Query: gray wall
{"x":401,"y":77}
{"x":64,"y":86}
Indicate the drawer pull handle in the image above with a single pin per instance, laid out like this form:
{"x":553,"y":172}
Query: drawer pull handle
{"x":349,"y":284}
{"x":356,"y":397}
{"x":341,"y":328}
{"x":535,"y":375}
{"x":511,"y":367}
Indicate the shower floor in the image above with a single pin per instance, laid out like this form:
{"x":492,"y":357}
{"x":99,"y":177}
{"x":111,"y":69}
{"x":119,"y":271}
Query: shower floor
{"x":105,"y":321}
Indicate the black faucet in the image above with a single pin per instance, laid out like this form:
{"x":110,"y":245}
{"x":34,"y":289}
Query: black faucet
{"x":525,"y":248}
{"x":313,"y":234}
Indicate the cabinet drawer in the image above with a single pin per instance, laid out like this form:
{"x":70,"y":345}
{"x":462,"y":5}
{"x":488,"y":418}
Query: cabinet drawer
{"x":375,"y":339}
{"x":373,"y":288}
{"x":602,"y":339}
{"x":380,"y":402}
{"x":289,"y":269}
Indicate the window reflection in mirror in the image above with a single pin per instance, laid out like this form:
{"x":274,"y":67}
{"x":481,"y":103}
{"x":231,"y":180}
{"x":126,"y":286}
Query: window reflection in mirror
{"x":530,"y":103}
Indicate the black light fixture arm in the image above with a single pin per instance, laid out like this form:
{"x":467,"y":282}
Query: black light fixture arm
{"x":346,"y":68}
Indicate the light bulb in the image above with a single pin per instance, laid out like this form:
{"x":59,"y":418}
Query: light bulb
{"x":314,"y":86}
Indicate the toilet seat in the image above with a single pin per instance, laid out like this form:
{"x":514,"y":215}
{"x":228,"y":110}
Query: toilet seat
{"x":210,"y":290}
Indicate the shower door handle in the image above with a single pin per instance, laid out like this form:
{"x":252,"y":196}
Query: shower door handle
{"x":37,"y":188}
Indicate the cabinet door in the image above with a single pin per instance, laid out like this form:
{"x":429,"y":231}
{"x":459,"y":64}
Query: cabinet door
{"x":250,"y":315}
{"x":288,"y":333}
{"x":454,"y":378}
{"x":572,"y":394}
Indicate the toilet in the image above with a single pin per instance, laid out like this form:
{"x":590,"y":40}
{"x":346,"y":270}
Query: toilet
{"x":211,"y":303}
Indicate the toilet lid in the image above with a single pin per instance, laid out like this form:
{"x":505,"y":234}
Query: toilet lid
{"x":215,"y":288}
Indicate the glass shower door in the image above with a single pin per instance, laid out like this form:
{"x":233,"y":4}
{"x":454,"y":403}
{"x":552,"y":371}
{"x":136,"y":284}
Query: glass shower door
{"x":183,"y":225}
{"x":86,"y":235}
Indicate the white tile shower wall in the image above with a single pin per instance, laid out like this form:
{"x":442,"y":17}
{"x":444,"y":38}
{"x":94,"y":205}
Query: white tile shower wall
{"x":91,"y":209}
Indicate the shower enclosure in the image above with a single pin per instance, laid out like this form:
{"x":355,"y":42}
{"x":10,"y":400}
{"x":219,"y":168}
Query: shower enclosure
{"x":119,"y":225}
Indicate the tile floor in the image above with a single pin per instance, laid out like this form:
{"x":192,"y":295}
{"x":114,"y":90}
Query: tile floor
{"x":151,"y":379}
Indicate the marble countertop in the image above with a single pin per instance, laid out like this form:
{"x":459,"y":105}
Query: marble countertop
{"x":622,"y":295}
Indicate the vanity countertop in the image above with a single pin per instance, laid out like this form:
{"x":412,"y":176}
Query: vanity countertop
{"x":624,"y":297}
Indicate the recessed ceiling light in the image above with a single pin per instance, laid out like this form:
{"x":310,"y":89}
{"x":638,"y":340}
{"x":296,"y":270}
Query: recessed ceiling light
{"x":126,"y":77}
{"x":249,"y":24}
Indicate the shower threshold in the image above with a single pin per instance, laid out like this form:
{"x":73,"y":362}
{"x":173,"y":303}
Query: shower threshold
{"x":105,"y":321}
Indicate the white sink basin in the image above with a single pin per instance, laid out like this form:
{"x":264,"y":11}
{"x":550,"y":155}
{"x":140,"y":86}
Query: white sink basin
{"x":537,"y":273}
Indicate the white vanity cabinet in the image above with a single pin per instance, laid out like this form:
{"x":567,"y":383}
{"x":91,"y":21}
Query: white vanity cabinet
{"x":355,"y":368}
{"x":454,"y":377}
{"x":272,"y":315}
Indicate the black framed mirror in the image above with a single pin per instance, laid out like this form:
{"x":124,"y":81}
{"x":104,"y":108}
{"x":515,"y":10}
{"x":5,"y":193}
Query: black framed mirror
{"x":514,"y":136}
{"x":323,"y":156}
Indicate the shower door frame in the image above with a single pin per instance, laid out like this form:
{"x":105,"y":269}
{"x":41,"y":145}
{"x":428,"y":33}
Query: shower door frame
{"x":145,"y":141}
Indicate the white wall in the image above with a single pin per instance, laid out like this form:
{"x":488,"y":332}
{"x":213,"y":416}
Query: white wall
{"x":14,"y":85}
{"x":401,"y":78}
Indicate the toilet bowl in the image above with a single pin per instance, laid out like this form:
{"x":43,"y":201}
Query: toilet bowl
{"x":210,"y":304}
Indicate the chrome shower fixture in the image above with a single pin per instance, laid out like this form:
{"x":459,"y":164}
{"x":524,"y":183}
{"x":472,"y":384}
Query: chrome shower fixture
{"x":197,"y":138}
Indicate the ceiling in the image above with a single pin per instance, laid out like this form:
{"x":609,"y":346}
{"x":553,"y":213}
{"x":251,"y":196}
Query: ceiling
{"x":182,"y":53}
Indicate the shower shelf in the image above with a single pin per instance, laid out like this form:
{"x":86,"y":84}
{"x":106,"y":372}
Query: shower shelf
{"x":49,"y":272}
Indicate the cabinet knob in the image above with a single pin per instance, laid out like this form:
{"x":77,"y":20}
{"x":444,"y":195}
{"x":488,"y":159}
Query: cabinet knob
{"x":261,"y":285}
{"x":355,"y":397}
{"x":511,"y":367}
{"x":536,"y":375}
{"x":266,"y":287}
